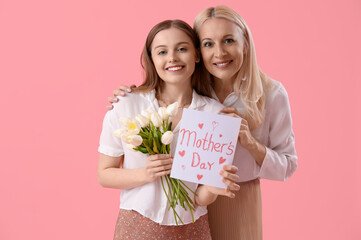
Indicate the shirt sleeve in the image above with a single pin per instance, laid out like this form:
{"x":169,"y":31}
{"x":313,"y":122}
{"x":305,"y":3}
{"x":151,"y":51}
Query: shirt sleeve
{"x":281,"y":159}
{"x":109,"y":144}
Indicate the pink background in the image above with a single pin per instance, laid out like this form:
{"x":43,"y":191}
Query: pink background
{"x":59,"y":60}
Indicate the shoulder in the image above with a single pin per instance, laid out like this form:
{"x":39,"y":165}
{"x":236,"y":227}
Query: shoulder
{"x":277,"y":102}
{"x":277,"y":94}
{"x":132,"y":104}
{"x":133,"y":97}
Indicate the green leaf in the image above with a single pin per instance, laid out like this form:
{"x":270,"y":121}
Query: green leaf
{"x":155,"y":149}
{"x":143,"y":135}
{"x":141,"y":149}
{"x":170,"y":126}
{"x":150,"y":141}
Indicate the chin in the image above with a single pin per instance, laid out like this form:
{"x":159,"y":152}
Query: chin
{"x":222,"y":76}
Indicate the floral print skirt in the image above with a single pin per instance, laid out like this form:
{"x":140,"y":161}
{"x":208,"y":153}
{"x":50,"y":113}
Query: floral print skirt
{"x":132,"y":225}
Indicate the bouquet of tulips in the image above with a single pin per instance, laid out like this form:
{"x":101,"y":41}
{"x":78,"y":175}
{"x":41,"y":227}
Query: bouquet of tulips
{"x":150,"y":133}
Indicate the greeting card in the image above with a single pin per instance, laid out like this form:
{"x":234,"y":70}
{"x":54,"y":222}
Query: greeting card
{"x":206,"y":142}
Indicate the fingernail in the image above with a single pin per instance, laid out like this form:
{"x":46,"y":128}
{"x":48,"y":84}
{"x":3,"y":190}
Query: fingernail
{"x":129,"y":90}
{"x":221,"y":172}
{"x":122,"y":94}
{"x":115,"y":99}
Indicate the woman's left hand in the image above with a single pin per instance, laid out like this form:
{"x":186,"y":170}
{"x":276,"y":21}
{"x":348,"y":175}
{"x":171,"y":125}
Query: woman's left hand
{"x":245,"y":137}
{"x":230,"y":178}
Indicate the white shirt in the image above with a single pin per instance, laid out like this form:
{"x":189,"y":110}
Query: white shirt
{"x":148,"y":199}
{"x":275,"y":133}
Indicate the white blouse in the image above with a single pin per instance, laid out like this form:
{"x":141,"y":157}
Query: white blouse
{"x":148,"y":199}
{"x":275,"y":133}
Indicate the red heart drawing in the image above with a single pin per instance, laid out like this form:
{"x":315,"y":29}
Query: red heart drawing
{"x":199,"y":176}
{"x":182,"y":153}
{"x":221,"y":160}
{"x":200,"y":125}
{"x":215,"y":124}
{"x":220,"y":135}
{"x":183,"y":167}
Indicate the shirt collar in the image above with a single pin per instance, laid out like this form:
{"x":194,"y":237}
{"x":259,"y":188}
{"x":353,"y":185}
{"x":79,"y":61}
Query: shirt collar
{"x":230,"y":100}
{"x":197,"y":100}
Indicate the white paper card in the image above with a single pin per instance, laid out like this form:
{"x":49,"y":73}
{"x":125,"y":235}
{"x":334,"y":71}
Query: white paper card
{"x":206,"y":142}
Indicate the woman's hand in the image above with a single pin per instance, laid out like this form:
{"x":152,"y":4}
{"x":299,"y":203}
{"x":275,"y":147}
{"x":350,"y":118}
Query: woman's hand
{"x":245,"y":138}
{"x":119,"y":92}
{"x":230,"y":178}
{"x":206,"y":195}
{"x":156,"y":166}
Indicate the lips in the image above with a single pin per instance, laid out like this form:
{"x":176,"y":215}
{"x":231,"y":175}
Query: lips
{"x":175,"y":68}
{"x":222,"y":64}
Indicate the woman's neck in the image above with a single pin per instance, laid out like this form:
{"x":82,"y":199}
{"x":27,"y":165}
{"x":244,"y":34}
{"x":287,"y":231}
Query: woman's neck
{"x":223,"y":88}
{"x":169,"y":94}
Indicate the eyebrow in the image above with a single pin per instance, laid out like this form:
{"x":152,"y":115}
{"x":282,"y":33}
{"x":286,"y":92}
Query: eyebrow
{"x":225,"y":36}
{"x":180,"y":43}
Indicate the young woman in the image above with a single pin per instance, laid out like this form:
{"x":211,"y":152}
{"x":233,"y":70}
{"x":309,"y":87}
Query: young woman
{"x":266,"y":141}
{"x":170,"y":60}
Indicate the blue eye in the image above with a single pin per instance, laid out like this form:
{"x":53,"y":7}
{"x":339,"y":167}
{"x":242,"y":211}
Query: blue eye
{"x":229,"y":40}
{"x":162,"y":53}
{"x":207,"y":44}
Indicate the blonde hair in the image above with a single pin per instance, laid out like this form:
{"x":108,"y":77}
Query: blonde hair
{"x":152,"y":79}
{"x":251,"y":83}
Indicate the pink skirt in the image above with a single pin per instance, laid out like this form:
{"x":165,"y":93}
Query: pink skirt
{"x":134,"y":226}
{"x":239,"y":218}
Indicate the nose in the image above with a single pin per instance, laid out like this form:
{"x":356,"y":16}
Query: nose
{"x":219,"y":51}
{"x":173,"y":57}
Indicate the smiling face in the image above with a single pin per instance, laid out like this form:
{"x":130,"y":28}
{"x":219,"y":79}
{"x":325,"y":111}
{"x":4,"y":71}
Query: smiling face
{"x":174,"y":56}
{"x":222,"y":48}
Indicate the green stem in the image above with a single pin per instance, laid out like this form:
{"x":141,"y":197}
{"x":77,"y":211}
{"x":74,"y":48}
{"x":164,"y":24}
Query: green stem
{"x":187,"y":187}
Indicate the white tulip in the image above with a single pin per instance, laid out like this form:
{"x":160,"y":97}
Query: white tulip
{"x":133,"y":127}
{"x":130,"y":147}
{"x":119,"y":132}
{"x":173,"y":109}
{"x":134,"y":140}
{"x":162,"y":111}
{"x":147,"y":113}
{"x":155,"y":118}
{"x":143,"y":121}
{"x":167,"y":137}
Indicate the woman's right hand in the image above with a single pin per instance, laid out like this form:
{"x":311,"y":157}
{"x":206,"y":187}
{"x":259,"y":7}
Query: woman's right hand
{"x":123,"y":89}
{"x":156,"y":166}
